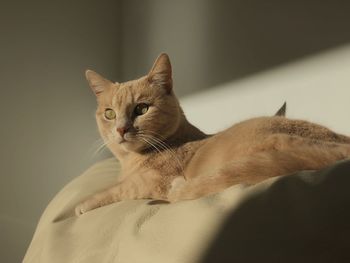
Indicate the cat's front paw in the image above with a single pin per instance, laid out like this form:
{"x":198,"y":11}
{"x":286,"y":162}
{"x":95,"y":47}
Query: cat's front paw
{"x":85,"y":206}
{"x":80,"y":209}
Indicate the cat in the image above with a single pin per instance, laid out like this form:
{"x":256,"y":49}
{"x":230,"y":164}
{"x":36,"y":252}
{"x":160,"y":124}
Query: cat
{"x":164,"y":157}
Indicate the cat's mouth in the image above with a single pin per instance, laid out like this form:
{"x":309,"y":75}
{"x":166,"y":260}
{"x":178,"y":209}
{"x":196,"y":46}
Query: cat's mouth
{"x":126,"y":138}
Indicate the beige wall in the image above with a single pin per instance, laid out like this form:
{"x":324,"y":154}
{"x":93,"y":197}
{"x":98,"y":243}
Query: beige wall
{"x":46,"y":110}
{"x":179,"y":28}
{"x":213,"y":42}
{"x":316,"y":88}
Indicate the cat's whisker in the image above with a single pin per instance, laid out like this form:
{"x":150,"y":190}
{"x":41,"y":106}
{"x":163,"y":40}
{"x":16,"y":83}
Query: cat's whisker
{"x":155,"y":134}
{"x":155,"y":140}
{"x":161,"y":143}
{"x":152,"y":145}
{"x":99,"y":149}
{"x":96,"y":144}
{"x":160,"y":140}
{"x":102,"y":146}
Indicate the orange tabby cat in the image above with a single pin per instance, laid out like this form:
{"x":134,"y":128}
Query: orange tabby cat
{"x":164,"y":157}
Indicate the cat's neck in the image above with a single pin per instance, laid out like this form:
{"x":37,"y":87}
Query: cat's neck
{"x":186,"y":132}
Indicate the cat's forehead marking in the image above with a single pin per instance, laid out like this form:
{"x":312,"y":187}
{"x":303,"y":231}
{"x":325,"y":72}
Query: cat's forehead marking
{"x":114,"y":99}
{"x":129,"y":92}
{"x":122,"y":95}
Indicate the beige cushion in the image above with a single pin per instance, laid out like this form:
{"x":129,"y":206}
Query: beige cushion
{"x":136,"y":231}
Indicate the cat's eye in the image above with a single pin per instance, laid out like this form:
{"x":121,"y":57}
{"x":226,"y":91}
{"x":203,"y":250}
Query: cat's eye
{"x":110,"y":114}
{"x":141,"y":109}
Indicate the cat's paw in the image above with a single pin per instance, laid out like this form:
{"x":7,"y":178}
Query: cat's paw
{"x":86,"y":206}
{"x":79,"y":209}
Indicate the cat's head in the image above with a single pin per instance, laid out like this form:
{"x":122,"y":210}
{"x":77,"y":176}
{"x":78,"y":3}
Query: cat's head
{"x":133,"y":115}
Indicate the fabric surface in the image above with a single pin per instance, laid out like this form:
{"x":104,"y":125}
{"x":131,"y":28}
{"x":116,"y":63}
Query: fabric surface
{"x":296,"y":218}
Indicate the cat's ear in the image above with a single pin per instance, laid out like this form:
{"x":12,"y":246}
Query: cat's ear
{"x":97,"y":83}
{"x":282,"y":111}
{"x":160,"y":73}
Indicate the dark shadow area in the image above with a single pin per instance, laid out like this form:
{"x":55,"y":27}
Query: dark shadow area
{"x":158,"y":202}
{"x":303,"y":218}
{"x":246,"y":37}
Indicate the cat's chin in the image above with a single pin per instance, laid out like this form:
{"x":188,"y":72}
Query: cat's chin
{"x":131,"y":146}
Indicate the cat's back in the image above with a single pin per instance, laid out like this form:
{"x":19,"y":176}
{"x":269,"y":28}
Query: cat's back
{"x":257,"y":128}
{"x":251,"y":135}
{"x":253,"y":129}
{"x":235,"y":141}
{"x":246,"y":135}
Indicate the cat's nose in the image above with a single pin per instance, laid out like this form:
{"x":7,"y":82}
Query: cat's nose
{"x":122,"y":130}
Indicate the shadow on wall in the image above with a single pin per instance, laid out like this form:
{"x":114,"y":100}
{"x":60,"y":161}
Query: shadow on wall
{"x":301,"y":218}
{"x":213,"y":42}
{"x":264,"y":34}
{"x":46,"y":107}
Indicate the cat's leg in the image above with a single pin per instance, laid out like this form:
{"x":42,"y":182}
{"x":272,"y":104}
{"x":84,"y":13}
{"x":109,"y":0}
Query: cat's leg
{"x":105,"y":197}
{"x":284,"y":158}
{"x":125,"y":190}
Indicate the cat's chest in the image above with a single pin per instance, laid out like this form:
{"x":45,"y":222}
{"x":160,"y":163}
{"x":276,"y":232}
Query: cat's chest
{"x":166,"y":163}
{"x":154,"y":166}
{"x":160,"y":168}
{"x":152,"y":176}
